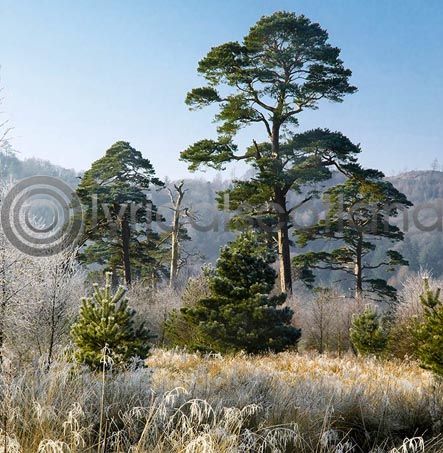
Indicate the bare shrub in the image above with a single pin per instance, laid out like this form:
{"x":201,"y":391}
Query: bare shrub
{"x":409,"y":296}
{"x":325,"y":318}
{"x":152,"y":306}
{"x":409,"y":311}
{"x":178,"y":331}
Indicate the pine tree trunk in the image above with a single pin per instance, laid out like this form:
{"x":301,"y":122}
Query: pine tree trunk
{"x":2,"y":323}
{"x":1,"y":334}
{"x":114,"y":279}
{"x":284,"y":256}
{"x":126,"y":235}
{"x":284,"y":250}
{"x":358,"y":271}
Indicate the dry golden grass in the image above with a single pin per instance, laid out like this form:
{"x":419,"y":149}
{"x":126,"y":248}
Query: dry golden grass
{"x":371,"y":399}
{"x":208,"y":404}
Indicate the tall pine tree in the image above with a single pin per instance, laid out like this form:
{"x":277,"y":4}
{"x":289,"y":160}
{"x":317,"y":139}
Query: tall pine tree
{"x":118,"y":213}
{"x":240,"y":314}
{"x":283,"y":66}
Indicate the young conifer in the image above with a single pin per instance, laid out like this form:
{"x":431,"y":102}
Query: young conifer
{"x":240,"y":313}
{"x":106,"y":321}
{"x":429,"y":332}
{"x":368,"y":334}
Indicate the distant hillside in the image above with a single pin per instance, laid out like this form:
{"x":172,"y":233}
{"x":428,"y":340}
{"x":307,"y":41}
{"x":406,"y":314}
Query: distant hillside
{"x":423,"y":249}
{"x":420,"y":186}
{"x":11,"y":167}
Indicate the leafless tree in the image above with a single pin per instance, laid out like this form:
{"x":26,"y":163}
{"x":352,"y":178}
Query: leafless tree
{"x":152,"y":306}
{"x":181,"y":216}
{"x":12,"y":284}
{"x":43,"y":315}
{"x":13,"y":271}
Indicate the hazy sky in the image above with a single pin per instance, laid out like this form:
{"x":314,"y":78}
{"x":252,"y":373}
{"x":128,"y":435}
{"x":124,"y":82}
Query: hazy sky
{"x":79,"y":75}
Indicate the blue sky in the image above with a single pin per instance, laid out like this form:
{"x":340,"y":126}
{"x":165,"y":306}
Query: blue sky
{"x":79,"y":75}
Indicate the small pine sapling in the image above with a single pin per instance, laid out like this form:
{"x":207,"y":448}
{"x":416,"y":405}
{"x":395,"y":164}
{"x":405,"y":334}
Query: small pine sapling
{"x":106,"y":321}
{"x":368,"y":333}
{"x":429,"y":333}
